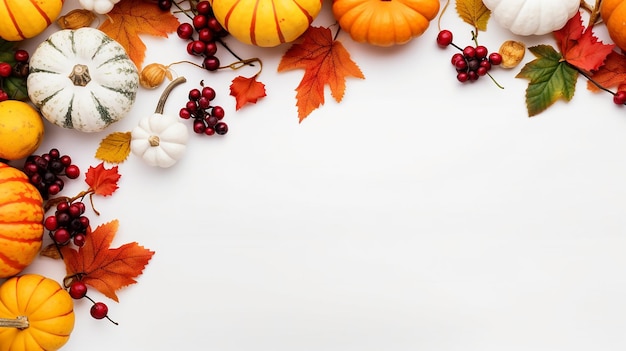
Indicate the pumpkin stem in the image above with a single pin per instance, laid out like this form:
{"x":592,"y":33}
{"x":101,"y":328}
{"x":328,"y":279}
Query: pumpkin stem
{"x":154,"y":140}
{"x":166,"y":93}
{"x":21,"y":322}
{"x":80,"y":75}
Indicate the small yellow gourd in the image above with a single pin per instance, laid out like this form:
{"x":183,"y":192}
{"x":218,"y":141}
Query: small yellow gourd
{"x":36,"y":314}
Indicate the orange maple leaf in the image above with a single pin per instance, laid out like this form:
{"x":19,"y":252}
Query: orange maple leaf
{"x":325,"y":62}
{"x":102,"y":181}
{"x":106,"y":269}
{"x":611,"y":74}
{"x":246,"y":90}
{"x":580,"y":47}
{"x":130,"y":18}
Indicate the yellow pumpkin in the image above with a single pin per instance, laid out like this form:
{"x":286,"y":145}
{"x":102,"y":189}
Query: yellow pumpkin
{"x":613,"y":13}
{"x":21,"y":221}
{"x":385,"y":22}
{"x":36,"y":314}
{"x":25,"y":19}
{"x":266,"y":23}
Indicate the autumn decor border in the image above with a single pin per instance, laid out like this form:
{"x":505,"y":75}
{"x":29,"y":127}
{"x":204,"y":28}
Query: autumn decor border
{"x":160,"y":139}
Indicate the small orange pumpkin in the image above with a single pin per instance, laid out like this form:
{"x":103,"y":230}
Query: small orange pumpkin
{"x":385,"y":22}
{"x":21,"y":221}
{"x":26,"y":19}
{"x":36,"y":314}
{"x":613,"y":13}
{"x":266,"y":23}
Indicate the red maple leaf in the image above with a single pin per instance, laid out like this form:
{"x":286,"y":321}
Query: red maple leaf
{"x":102,"y":181}
{"x":326,"y":62}
{"x":105,"y":269}
{"x":246,"y":90}
{"x":580,"y":47}
{"x":611,"y":74}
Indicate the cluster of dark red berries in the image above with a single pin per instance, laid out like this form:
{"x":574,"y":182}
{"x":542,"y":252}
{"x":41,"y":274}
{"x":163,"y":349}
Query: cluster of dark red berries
{"x":46,"y":171}
{"x":207,"y":118}
{"x":472,"y":62}
{"x":202,"y":34}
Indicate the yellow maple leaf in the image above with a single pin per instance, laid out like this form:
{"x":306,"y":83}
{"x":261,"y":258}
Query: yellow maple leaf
{"x":114,"y":148}
{"x":130,"y":18}
{"x":473,"y":12}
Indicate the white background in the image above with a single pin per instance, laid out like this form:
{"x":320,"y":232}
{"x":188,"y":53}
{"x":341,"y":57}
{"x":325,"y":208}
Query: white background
{"x":417,"y":214}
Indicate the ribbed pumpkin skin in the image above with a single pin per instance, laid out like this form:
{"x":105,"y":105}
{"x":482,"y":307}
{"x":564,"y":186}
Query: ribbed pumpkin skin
{"x":105,"y":99}
{"x":613,"y":13}
{"x":266,"y":23}
{"x":22,"y":19}
{"x":21,"y":221}
{"x":48,"y":307}
{"x":385,"y":23}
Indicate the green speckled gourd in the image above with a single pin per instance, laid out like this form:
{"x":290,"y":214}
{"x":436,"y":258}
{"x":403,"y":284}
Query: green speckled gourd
{"x":82,"y":79}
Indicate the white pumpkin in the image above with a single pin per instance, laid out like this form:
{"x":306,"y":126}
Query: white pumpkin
{"x":82,"y":79}
{"x":160,"y":139}
{"x":532,"y":17}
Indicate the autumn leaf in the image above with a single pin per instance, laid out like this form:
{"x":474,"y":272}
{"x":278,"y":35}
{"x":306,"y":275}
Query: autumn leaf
{"x":104,"y":268}
{"x":473,"y":12}
{"x":131,"y":18}
{"x":102,"y":181}
{"x":114,"y":148}
{"x":611,"y":74}
{"x":579,"y":47}
{"x":550,"y":77}
{"x":246,"y":90}
{"x":325,"y":62}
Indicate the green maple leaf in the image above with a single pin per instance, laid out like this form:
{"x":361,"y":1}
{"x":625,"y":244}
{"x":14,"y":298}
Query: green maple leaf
{"x":551,"y":78}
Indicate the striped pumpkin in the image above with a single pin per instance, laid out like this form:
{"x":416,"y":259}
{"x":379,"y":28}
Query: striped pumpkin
{"x":82,"y":79}
{"x":266,"y":23}
{"x":44,"y":304}
{"x":21,"y":221}
{"x":23,"y":19}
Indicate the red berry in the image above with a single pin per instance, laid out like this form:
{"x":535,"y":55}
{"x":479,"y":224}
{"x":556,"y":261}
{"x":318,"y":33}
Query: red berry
{"x":203,"y":8}
{"x":61,"y":236}
{"x":78,"y":289}
{"x":620,"y":97}
{"x":462,"y":77}
{"x":461,"y":65}
{"x":3,"y":95}
{"x":469,"y":52}
{"x":444,"y":38}
{"x":72,"y":171}
{"x":51,"y":223}
{"x":79,"y":239}
{"x":5,"y":70}
{"x":211,"y":49}
{"x":21,"y":55}
{"x":211,"y":63}
{"x":54,"y":189}
{"x":205,"y":35}
{"x":215,"y":26}
{"x":218,"y":111}
{"x":99,"y":310}
{"x":199,"y":126}
{"x":209,"y":93}
{"x":221,"y":128}
{"x":199,"y":21}
{"x":66,"y":160}
{"x":75,"y":210}
{"x":184,"y":113}
{"x":197,"y":47}
{"x":495,"y":58}
{"x":194,"y":94}
{"x":481,"y":51}
{"x":456,"y":57}
{"x":185,"y":31}
{"x":63,"y":206}
{"x":209,"y":131}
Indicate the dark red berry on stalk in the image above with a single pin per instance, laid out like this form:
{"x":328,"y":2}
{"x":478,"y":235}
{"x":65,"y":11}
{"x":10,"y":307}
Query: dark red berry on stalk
{"x":72,"y":171}
{"x":469,"y":52}
{"x":481,"y":51}
{"x":78,"y":289}
{"x":199,"y":21}
{"x":21,"y":55}
{"x":203,"y":8}
{"x":211,"y":48}
{"x":444,"y":38}
{"x":5,"y":69}
{"x":221,"y":128}
{"x":620,"y":97}
{"x":185,"y":31}
{"x":211,"y":63}
{"x":165,"y":5}
{"x":205,"y":35}
{"x":99,"y":310}
{"x":495,"y":58}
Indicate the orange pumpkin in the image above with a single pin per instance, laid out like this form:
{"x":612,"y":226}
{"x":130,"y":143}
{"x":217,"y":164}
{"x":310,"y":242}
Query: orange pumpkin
{"x":25,"y":19}
{"x":21,"y":221}
{"x":36,"y":314}
{"x":266,"y":23}
{"x":613,"y":13}
{"x":385,"y":22}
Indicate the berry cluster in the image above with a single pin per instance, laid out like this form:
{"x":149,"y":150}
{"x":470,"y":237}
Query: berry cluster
{"x":68,"y":223}
{"x":207,"y":118}
{"x":78,"y":290}
{"x":472,"y":62}
{"x":45,"y":171}
{"x":203,"y":34}
{"x":15,"y":67}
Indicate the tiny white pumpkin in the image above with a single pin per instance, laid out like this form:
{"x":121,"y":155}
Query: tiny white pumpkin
{"x":160,"y":139}
{"x":82,"y":79}
{"x":532,"y":17}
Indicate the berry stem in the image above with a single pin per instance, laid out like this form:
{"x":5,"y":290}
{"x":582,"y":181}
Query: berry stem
{"x":21,"y":322}
{"x":584,"y":74}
